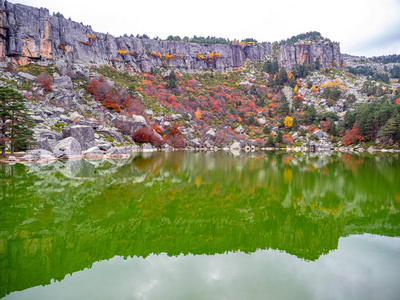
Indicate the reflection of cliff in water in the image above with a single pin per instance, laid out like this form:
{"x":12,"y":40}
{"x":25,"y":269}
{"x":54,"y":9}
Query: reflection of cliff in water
{"x":62,"y":217}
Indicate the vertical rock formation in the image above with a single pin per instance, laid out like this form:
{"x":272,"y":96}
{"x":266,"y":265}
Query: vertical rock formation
{"x":28,"y":34}
{"x":327,"y":53}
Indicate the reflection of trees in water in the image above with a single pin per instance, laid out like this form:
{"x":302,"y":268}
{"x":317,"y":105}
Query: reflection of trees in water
{"x":62,"y":217}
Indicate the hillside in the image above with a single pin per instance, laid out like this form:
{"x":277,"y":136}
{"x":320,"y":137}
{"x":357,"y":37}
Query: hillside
{"x":132,"y":91}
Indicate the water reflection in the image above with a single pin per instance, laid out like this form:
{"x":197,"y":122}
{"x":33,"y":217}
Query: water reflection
{"x":62,"y":217}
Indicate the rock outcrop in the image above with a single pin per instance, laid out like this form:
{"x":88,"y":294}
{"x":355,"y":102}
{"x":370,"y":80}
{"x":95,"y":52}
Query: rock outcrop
{"x":29,"y":33}
{"x":67,"y":148}
{"x":328,"y":54}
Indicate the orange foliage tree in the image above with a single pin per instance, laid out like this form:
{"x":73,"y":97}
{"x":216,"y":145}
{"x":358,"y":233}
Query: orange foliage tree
{"x":287,"y":140}
{"x":352,"y":135}
{"x":112,"y":99}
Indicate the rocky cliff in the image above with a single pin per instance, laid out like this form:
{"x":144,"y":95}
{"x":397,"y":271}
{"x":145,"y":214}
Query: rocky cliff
{"x":302,"y":53}
{"x":28,"y":34}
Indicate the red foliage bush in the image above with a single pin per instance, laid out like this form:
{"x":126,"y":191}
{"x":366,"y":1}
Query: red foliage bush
{"x":99,"y":88}
{"x":174,"y":138}
{"x":132,"y":106}
{"x":45,"y":81}
{"x":287,"y":140}
{"x":147,"y":135}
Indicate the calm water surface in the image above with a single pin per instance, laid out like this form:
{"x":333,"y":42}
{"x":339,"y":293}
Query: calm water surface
{"x":189,"y":225}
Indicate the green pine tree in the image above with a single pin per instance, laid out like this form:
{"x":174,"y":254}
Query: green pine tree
{"x":172,"y":80}
{"x":279,"y":137}
{"x":270,"y":141}
{"x":15,"y":124}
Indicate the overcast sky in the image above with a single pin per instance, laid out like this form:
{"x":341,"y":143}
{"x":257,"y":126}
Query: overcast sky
{"x":363,"y":27}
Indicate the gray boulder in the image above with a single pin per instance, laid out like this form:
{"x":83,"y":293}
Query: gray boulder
{"x":239,"y":129}
{"x":93,"y":152}
{"x":68,"y":148}
{"x":104,"y":146}
{"x":194,"y":143}
{"x":320,"y":134}
{"x":63,"y":82}
{"x":27,"y":76}
{"x":117,"y":151}
{"x":210,"y":134}
{"x":235,"y":146}
{"x":40,"y":154}
{"x":46,"y":145}
{"x":147,"y":147}
{"x":83,"y":134}
{"x":209,"y":143}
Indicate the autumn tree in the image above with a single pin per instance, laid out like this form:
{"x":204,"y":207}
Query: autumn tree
{"x":45,"y":81}
{"x":288,"y":121}
{"x":351,"y":136}
{"x":175,"y":138}
{"x":112,"y":100}
{"x":132,"y":106}
{"x":147,"y":135}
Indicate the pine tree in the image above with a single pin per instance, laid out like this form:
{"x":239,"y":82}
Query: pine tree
{"x":282,"y":76}
{"x":15,"y":122}
{"x":270,"y":141}
{"x":295,"y":124}
{"x":279,"y":137}
{"x":172,"y":80}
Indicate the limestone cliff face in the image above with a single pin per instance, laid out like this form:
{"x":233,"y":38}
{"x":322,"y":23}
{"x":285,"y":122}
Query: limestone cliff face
{"x":328,"y":54}
{"x":28,"y":33}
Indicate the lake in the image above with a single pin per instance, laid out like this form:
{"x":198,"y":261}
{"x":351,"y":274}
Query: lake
{"x":202,"y":225}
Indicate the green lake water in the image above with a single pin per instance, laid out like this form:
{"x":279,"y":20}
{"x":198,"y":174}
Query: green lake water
{"x":202,"y":225}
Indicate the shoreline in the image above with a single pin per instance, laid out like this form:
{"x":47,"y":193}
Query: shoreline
{"x":247,"y":149}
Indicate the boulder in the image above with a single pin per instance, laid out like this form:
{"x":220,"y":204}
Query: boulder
{"x":117,"y":152}
{"x":37,"y":119}
{"x":239,"y":129}
{"x":194,"y":143}
{"x":262,"y":121}
{"x":68,"y":148}
{"x":166,"y":147}
{"x":320,"y":134}
{"x":27,"y":158}
{"x":93,"y":152}
{"x":209,"y":143}
{"x":27,"y":76}
{"x":104,"y":146}
{"x":235,"y":146}
{"x":45,"y":144}
{"x":130,"y":123}
{"x":12,"y":158}
{"x":40,"y":154}
{"x":210,"y":134}
{"x":84,"y":135}
{"x":147,"y":147}
{"x":63,"y":82}
{"x":175,"y":117}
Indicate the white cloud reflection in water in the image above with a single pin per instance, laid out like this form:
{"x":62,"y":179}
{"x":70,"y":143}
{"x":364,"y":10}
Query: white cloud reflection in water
{"x":364,"y":267}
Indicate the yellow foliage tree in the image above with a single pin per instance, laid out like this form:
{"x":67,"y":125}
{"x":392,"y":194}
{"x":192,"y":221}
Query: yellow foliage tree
{"x":288,"y":121}
{"x":197,"y":113}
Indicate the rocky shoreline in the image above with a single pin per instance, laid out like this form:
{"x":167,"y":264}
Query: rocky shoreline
{"x":44,"y":156}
